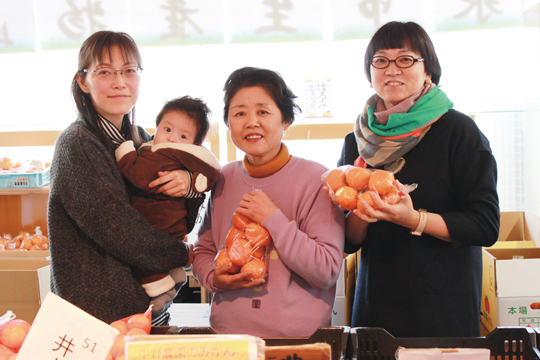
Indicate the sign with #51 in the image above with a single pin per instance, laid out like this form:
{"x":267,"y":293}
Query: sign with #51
{"x":63,"y":331}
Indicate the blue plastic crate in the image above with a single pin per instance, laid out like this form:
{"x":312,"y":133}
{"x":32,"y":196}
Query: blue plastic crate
{"x":19,"y":181}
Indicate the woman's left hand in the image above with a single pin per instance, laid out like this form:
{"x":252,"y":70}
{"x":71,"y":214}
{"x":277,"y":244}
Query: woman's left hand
{"x":402,"y":213}
{"x":173,"y":183}
{"x":257,"y":206}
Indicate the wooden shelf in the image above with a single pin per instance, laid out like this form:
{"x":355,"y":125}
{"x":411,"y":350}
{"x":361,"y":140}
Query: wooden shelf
{"x":23,"y":209}
{"x":26,"y":191}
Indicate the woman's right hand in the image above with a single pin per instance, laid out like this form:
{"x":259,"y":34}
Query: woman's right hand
{"x":225,"y":281}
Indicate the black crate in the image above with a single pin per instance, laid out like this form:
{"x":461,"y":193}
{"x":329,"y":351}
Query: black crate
{"x":163,"y":330}
{"x":335,"y":336}
{"x":505,"y":343}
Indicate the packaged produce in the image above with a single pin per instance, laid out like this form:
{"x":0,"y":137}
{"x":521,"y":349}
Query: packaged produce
{"x":137,"y":324}
{"x":12,"y":335}
{"x":24,"y":241}
{"x":11,"y":165}
{"x":348,"y":185}
{"x":245,"y":247}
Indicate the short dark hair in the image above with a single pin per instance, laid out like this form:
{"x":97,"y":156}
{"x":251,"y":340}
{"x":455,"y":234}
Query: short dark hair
{"x":396,"y":35}
{"x":269,"y":80}
{"x":195,"y":109}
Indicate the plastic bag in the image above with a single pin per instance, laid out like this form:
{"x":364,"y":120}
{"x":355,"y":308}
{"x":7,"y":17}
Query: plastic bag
{"x":349,"y":184}
{"x":245,"y":247}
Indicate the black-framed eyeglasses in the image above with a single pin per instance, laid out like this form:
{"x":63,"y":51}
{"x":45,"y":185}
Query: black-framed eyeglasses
{"x":108,"y":73}
{"x":403,"y":61}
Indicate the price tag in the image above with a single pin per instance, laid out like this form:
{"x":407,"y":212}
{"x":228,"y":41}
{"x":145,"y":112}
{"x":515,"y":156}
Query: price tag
{"x":63,"y":331}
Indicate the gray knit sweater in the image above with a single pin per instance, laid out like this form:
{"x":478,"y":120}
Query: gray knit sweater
{"x":96,"y":236}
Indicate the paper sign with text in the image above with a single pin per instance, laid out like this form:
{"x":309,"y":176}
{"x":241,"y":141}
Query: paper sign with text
{"x":192,"y":347}
{"x":63,"y":331}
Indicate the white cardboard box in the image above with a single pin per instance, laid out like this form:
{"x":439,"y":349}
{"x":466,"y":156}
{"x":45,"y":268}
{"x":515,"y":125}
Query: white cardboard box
{"x":511,"y":287}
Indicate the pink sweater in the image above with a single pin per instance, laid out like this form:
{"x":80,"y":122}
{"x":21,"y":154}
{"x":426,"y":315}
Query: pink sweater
{"x":303,"y":260}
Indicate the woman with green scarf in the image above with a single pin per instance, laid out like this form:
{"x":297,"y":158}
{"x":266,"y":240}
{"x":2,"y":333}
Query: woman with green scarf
{"x":421,"y":261}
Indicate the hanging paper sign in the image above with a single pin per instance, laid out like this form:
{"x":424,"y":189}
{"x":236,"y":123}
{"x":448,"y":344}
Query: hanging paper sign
{"x":177,"y":22}
{"x":17,"y":30}
{"x":275,"y":20}
{"x":476,"y":14}
{"x":63,"y":331}
{"x":360,"y":19}
{"x":67,"y":23}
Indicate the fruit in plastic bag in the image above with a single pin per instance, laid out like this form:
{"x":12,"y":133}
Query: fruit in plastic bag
{"x":121,"y":326}
{"x":257,"y":268}
{"x":366,"y":196}
{"x":357,"y":178}
{"x":223,"y":258}
{"x":140,"y":321}
{"x":240,"y":221}
{"x":138,"y":324}
{"x":346,"y":197}
{"x":13,"y":333}
{"x":240,"y":252}
{"x":257,"y":235}
{"x":335,"y":179}
{"x":7,"y":163}
{"x":234,"y":233}
{"x":382,"y":181}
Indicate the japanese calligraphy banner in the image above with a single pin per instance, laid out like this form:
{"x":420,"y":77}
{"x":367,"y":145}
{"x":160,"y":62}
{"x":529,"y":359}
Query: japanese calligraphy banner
{"x":17,"y":31}
{"x":476,"y":14}
{"x":361,"y":18}
{"x":63,"y":331}
{"x":177,"y":22}
{"x":27,"y":25}
{"x":65,"y":24}
{"x":275,"y":20}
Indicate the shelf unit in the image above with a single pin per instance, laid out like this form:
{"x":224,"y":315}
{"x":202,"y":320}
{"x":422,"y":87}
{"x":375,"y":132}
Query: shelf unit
{"x":23,"y":210}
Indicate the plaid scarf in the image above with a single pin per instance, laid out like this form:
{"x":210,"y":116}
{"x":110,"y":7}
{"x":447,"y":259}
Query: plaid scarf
{"x":384,"y":136}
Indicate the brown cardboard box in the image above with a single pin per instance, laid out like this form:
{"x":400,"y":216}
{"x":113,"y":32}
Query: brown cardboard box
{"x":342,"y":311}
{"x":518,"y":230}
{"x":24,"y":282}
{"x":316,"y":351}
{"x":18,"y":254}
{"x":511,"y":288}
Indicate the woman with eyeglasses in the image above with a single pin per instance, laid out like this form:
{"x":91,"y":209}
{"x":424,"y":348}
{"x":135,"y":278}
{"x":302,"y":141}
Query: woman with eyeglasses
{"x":96,"y":236}
{"x":420,"y":272}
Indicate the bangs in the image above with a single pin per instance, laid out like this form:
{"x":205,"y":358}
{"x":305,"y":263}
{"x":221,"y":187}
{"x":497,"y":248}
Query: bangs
{"x":396,"y":39}
{"x":125,"y":45}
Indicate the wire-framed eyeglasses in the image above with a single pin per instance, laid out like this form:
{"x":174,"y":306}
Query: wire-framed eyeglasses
{"x":108,"y":73}
{"x":403,"y":61}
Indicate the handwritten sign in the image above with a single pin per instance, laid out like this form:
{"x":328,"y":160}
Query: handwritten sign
{"x":63,"y":331}
{"x":193,"y":347}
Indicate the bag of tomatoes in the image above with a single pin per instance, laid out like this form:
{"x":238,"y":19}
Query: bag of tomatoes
{"x":245,"y":247}
{"x":349,"y":184}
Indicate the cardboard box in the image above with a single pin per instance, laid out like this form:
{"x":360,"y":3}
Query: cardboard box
{"x":316,"y":351}
{"x":342,"y":311}
{"x":19,"y":254}
{"x":511,"y":287}
{"x":24,"y":282}
{"x":518,"y":230}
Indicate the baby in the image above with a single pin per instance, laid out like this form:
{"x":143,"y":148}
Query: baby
{"x":182,"y":125}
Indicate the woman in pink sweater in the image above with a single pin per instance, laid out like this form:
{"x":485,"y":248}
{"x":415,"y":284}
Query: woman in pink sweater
{"x":284,"y":194}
